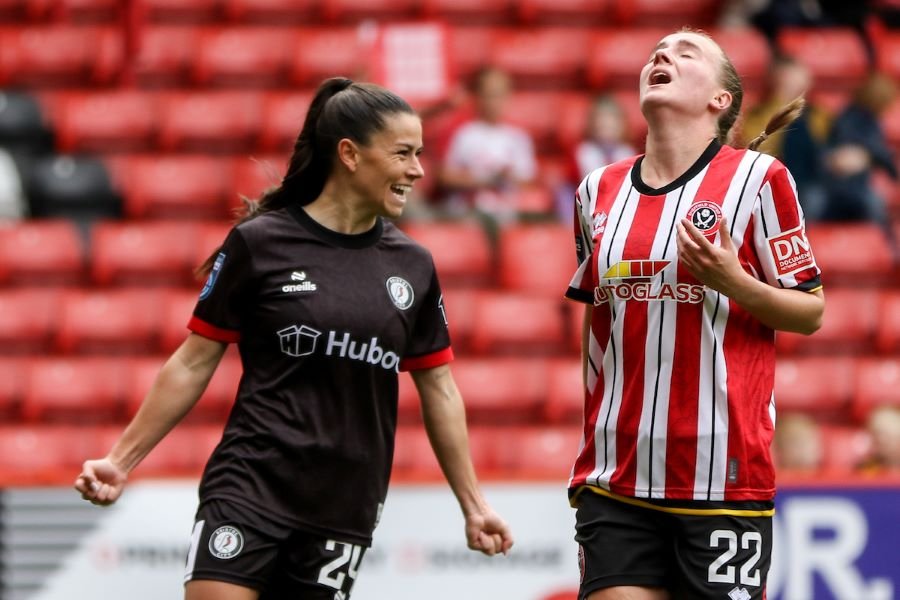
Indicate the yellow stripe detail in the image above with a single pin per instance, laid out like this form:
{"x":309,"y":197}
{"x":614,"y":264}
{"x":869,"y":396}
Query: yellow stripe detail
{"x":675,"y":511}
{"x":815,"y":289}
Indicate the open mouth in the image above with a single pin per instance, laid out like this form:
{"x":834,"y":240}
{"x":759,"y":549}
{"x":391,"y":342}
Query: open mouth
{"x":659,"y":78}
{"x":401,"y":190}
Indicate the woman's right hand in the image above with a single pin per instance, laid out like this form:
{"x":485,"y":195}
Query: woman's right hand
{"x":101,"y":482}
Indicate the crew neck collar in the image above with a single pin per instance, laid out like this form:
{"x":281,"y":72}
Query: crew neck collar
{"x":699,"y":165}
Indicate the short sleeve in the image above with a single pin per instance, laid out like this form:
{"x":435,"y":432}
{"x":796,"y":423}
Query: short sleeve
{"x":779,"y":238}
{"x":220,"y":309}
{"x":582,"y":284}
{"x":429,"y":345}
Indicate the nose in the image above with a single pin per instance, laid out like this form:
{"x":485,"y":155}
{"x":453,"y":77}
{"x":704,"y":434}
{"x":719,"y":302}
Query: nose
{"x":661,"y":55}
{"x":416,"y":171}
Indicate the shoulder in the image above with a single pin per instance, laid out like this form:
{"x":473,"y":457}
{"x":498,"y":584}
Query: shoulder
{"x":260,"y":228}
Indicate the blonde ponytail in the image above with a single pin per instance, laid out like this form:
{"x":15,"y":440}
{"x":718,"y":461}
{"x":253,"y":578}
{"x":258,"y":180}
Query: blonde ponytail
{"x":786,"y":115}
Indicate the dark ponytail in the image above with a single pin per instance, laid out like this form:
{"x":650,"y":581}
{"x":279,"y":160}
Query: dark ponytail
{"x":784,"y":117}
{"x":340,"y":109}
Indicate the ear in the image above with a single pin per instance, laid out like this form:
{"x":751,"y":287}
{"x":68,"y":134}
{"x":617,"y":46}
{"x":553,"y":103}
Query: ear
{"x":722,"y":100}
{"x":348,"y":154}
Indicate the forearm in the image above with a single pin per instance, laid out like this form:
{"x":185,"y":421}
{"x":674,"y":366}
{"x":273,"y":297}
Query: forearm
{"x":444,"y":415}
{"x":781,"y":309}
{"x":175,"y":391}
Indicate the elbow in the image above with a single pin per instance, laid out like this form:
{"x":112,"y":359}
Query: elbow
{"x":813,"y":323}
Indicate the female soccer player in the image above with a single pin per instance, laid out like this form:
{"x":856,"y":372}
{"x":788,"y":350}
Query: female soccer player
{"x":326,"y":301}
{"x":692,"y":255}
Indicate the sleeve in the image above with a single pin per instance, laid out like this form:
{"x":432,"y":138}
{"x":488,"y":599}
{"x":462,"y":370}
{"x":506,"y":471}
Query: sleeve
{"x":582,"y":284}
{"x":779,"y":234}
{"x":429,"y":345}
{"x":220,"y":309}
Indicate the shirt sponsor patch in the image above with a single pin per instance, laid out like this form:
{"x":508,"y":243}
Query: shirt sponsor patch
{"x":401,"y":292}
{"x":791,"y":252}
{"x":213,"y":276}
{"x":705,"y":216}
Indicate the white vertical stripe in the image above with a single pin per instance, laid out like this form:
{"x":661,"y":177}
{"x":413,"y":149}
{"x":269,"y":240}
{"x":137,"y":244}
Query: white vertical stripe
{"x":192,"y":552}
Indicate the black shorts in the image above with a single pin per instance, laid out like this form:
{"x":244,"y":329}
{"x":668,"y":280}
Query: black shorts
{"x":232,"y":544}
{"x":694,"y":555}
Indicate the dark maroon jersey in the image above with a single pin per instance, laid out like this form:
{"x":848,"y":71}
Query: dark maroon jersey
{"x":323,"y":322}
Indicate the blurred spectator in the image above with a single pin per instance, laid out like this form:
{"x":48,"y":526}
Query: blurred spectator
{"x":13,"y":205}
{"x":856,"y":145}
{"x":798,"y":444}
{"x":488,"y":160}
{"x":801,"y":146}
{"x":884,"y":426}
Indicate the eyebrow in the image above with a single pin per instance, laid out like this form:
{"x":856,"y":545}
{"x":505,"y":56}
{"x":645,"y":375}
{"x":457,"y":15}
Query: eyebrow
{"x":682,"y":42}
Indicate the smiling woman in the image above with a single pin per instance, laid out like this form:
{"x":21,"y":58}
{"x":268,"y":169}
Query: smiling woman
{"x":326,"y":301}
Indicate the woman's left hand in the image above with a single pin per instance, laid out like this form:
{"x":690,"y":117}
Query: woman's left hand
{"x":488,"y":533}
{"x":717,"y":267}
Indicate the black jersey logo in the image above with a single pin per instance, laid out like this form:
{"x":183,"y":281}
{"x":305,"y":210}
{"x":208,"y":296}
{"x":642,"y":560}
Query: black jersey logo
{"x":226,"y":542}
{"x":298,"y":341}
{"x":401,"y":292}
{"x":705,"y":216}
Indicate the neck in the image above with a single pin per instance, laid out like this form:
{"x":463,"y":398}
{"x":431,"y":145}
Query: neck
{"x":672,"y":147}
{"x":338,"y":209}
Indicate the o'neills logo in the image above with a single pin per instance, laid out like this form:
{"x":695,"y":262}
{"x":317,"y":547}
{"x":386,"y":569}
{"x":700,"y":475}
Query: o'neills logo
{"x":639,"y":280}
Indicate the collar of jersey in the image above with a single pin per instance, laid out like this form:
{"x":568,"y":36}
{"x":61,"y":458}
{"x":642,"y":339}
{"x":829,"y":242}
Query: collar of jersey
{"x":352,"y":241}
{"x":698,"y":166}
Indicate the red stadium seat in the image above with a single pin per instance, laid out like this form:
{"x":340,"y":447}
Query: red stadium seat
{"x":565,"y":12}
{"x":535,"y":199}
{"x":408,"y":407}
{"x":165,"y":54}
{"x":251,"y":176}
{"x":566,"y":394}
{"x":105,"y":121}
{"x":353,"y":11}
{"x":887,"y":51}
{"x":572,"y":120}
{"x":538,"y":112}
{"x":537,"y":258}
{"x":19,"y":11}
{"x":461,"y":249}
{"x":545,"y":452}
{"x":243,"y":56}
{"x":75,"y":389}
{"x":28,"y":316}
{"x":818,"y":384}
{"x":273,"y":12}
{"x":459,"y":305}
{"x":89,"y":11}
{"x":520,"y":324}
{"x":426,"y":82}
{"x":60,"y":55}
{"x":470,"y":12}
{"x":182,"y":453}
{"x":329,"y":52}
{"x":502,"y":390}
{"x":549,"y":57}
{"x":173,"y":186}
{"x":283,"y":116}
{"x":616,"y":57}
{"x":877,"y":384}
{"x":109,"y":321}
{"x":851,"y":317}
{"x":835,"y":56}
{"x":143,"y":253}
{"x":413,"y":456}
{"x":209,"y":237}
{"x":177,"y":306}
{"x":665,"y":13}
{"x":887,"y":334}
{"x":844,"y":448}
{"x":847,"y":252}
{"x":43,"y":454}
{"x":182,"y":11}
{"x":41,"y":252}
{"x":749,"y":52}
{"x":221,"y":121}
{"x":12,"y":388}
{"x":470,"y":48}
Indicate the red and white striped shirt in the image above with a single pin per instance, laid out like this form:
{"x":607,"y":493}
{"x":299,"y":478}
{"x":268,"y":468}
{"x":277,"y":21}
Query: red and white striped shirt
{"x":679,"y":401}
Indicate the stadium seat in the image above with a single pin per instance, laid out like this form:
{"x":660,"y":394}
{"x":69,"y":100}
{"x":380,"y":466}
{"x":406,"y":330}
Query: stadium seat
{"x":820,"y":385}
{"x":88,"y":11}
{"x":181,"y":11}
{"x":519,"y":324}
{"x":408,"y":408}
{"x":887,"y":334}
{"x":470,"y":12}
{"x":835,"y":56}
{"x":848,"y":326}
{"x":502,"y":390}
{"x":850,"y":252}
{"x":70,"y":186}
{"x":354,"y":11}
{"x":177,"y":306}
{"x":426,"y":79}
{"x":28,"y":316}
{"x":545,"y":57}
{"x":209,"y":237}
{"x":175,"y":186}
{"x":538,"y":112}
{"x":118,"y":121}
{"x":877,"y":383}
{"x":461,"y":249}
{"x":273,"y":12}
{"x":60,"y":55}
{"x":41,"y":252}
{"x":572,"y":120}
{"x":458,"y":304}
{"x":283,"y":116}
{"x":108,"y":321}
{"x":24,"y":126}
{"x":544,"y":452}
{"x":321,"y":52}
{"x":616,"y":57}
{"x":143,"y":253}
{"x":565,"y":392}
{"x":251,"y":176}
{"x":887,"y":53}
{"x":665,"y":13}
{"x":12,"y":388}
{"x":577,"y":13}
{"x":537,"y":258}
{"x":470,"y":48}
{"x":844,"y":448}
{"x":536,"y":199}
{"x":32,"y":455}
{"x":21,"y":11}
{"x":165,"y":55}
{"x":243,"y":56}
{"x":749,"y":52}
{"x":182,"y":453}
{"x":413,"y":457}
{"x":210,"y":121}
{"x":75,"y":389}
